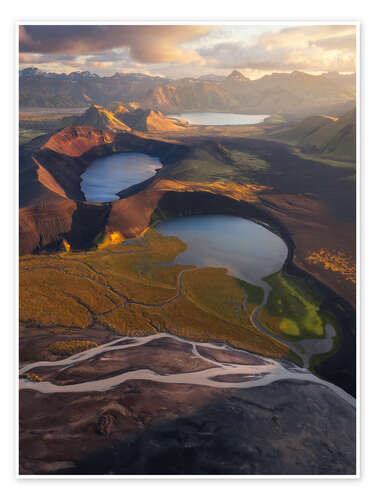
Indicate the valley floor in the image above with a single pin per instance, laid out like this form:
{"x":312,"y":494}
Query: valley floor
{"x":74,"y":302}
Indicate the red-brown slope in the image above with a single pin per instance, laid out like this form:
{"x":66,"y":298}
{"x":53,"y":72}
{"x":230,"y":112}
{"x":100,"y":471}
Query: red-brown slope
{"x":40,"y":225}
{"x":131,"y":216}
{"x":50,"y":182}
{"x":75,"y":141}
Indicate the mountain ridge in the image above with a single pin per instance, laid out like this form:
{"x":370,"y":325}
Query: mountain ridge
{"x":275,"y":93}
{"x":124,"y":119}
{"x":98,"y":117}
{"x":326,"y":135}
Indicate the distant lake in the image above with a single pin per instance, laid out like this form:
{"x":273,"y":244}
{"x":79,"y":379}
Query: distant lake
{"x":220,"y":118}
{"x":249,"y":251}
{"x":107,"y":176}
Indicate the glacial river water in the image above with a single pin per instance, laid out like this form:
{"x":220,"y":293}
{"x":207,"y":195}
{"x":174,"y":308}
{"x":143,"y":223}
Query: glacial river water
{"x":263,"y":372}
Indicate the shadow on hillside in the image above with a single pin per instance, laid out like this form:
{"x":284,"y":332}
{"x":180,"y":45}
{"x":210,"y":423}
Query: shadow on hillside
{"x":88,"y":225}
{"x":283,"y":428}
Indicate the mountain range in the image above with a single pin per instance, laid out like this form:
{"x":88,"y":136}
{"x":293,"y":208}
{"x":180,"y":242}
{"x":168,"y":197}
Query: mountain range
{"x":295,"y":92}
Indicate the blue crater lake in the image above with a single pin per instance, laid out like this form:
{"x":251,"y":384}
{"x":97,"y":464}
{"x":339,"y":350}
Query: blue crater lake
{"x":107,"y":176}
{"x":249,"y":251}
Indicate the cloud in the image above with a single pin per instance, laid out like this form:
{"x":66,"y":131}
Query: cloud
{"x":42,"y":59}
{"x":183,"y":51}
{"x":308,"y":48}
{"x":146,"y":44}
{"x":339,"y":43}
{"x":108,"y":62}
{"x":303,"y":36}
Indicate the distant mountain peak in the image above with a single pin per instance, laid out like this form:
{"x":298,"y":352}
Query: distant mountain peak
{"x":237,"y":76}
{"x":30,"y":72}
{"x":83,"y":74}
{"x":301,"y":75}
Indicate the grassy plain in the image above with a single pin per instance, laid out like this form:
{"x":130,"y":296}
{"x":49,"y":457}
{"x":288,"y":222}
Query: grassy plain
{"x":216,"y":163}
{"x":26,"y":135}
{"x":121,"y":288}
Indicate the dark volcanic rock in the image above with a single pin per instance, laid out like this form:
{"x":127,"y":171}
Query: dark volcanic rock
{"x":283,"y":428}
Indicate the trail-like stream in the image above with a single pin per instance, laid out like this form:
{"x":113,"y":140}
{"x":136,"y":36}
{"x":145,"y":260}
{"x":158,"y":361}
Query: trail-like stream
{"x":249,"y":252}
{"x":254,"y":320}
{"x":219,"y":250}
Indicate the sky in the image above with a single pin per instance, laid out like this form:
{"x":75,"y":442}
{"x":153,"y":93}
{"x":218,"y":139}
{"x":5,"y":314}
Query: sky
{"x":188,"y":50}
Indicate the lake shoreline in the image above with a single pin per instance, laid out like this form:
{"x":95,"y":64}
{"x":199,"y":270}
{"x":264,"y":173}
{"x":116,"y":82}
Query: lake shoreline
{"x":219,"y":119}
{"x":105,"y":177}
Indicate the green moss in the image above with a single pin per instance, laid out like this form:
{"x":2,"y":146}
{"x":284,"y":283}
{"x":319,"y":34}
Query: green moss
{"x":291,"y":309}
{"x":289,"y":327}
{"x":26,"y":135}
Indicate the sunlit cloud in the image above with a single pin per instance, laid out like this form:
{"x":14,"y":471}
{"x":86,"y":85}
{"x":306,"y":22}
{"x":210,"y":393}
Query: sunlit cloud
{"x":183,"y":51}
{"x":309,"y":48}
{"x":303,"y":36}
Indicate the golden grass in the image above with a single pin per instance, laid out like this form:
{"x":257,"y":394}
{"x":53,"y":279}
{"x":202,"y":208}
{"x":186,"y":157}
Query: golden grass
{"x":218,"y":293}
{"x":121,"y":288}
{"x":183,"y":318}
{"x":69,"y":289}
{"x":54,"y":297}
{"x":246,"y":192}
{"x":336,"y":261}
{"x":33,"y":377}
{"x":55,"y":310}
{"x":132,"y":320}
{"x":71,"y":347}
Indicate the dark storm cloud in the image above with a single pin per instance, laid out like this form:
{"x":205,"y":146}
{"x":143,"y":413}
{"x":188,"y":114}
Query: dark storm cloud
{"x":147,"y":44}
